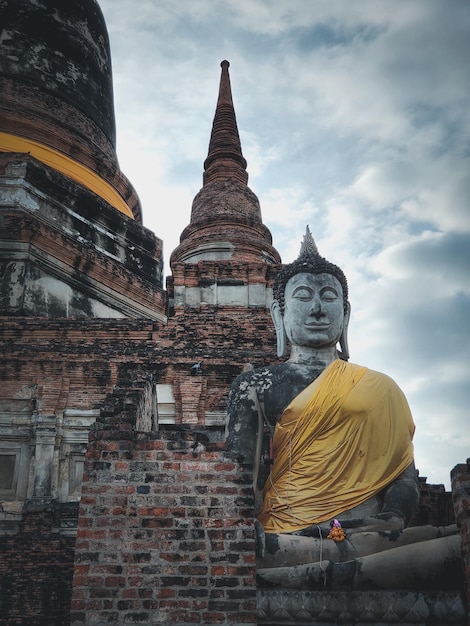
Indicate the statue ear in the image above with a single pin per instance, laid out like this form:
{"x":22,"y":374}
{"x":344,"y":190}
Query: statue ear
{"x":280,"y":330}
{"x":343,"y":340}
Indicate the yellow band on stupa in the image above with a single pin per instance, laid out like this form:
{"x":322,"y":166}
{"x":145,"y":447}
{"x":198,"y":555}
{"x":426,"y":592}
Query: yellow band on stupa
{"x":65,"y":165}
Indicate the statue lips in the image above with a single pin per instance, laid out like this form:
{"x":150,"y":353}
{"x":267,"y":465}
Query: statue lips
{"x":318,"y":332}
{"x":318,"y":326}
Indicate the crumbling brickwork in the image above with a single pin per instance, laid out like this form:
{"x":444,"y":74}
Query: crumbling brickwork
{"x":460,"y":476}
{"x":36,"y":567}
{"x":435,"y":505}
{"x":67,"y":253}
{"x":64,"y":365}
{"x":165,"y":529}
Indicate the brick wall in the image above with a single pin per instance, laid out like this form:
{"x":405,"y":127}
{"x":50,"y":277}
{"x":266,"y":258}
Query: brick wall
{"x":67,"y":253}
{"x":165,"y":527}
{"x":460,"y":477}
{"x":435,"y":505}
{"x":36,"y":566}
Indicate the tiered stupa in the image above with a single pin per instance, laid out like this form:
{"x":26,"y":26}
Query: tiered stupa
{"x":74,"y":242}
{"x":57,"y":94}
{"x":226,"y":225}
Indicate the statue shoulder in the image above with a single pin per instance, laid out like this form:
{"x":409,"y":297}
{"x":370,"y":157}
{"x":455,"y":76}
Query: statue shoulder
{"x":386,"y":382}
{"x":269,"y":390}
{"x":382,"y":390}
{"x":259,"y":379}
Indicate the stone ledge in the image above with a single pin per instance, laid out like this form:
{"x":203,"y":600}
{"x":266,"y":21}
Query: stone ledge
{"x":288,"y":607}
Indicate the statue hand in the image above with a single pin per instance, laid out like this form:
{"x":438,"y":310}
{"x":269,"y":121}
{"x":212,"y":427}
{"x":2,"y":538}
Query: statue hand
{"x":374,"y":523}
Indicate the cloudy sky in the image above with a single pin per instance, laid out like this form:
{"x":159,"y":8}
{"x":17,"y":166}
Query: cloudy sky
{"x":354,"y":118}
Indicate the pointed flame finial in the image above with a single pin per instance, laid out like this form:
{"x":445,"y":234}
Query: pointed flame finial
{"x":308,"y":246}
{"x":310,"y":261}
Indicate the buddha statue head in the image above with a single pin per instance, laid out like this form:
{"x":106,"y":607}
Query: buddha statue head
{"x":310,"y":306}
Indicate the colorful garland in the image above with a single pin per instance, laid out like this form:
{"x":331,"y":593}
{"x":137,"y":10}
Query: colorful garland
{"x":336,"y":533}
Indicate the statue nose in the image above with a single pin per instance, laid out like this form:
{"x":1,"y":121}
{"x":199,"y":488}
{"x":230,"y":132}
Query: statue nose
{"x":316,"y":307}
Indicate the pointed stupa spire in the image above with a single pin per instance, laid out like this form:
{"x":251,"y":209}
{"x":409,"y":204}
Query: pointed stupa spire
{"x":225,"y":159}
{"x":226,"y":222}
{"x":308,"y":246}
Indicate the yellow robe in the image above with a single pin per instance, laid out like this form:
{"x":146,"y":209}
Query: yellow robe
{"x":338,"y":443}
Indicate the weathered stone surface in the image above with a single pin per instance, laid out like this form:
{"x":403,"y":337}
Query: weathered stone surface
{"x":74,"y":258}
{"x":74,"y":62}
{"x":56,"y":85}
{"x":365,"y":607}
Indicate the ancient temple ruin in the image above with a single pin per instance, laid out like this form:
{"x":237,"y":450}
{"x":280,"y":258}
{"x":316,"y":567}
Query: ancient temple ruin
{"x":118,"y":503}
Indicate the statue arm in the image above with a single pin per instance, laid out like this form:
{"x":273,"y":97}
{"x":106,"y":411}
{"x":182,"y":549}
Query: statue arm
{"x":401,"y":497}
{"x":243,"y":422}
{"x":400,"y":500}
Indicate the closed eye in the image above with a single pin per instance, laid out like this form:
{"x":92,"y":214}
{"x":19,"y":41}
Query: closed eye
{"x":329,"y":294}
{"x":302,"y":293}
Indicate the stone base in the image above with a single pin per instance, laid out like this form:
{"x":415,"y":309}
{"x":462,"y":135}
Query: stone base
{"x":289,"y":607}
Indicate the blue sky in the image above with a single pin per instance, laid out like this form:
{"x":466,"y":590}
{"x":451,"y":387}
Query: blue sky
{"x":354,"y":118}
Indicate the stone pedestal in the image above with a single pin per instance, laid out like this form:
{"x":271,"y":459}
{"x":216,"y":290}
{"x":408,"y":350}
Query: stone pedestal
{"x":290,"y":607}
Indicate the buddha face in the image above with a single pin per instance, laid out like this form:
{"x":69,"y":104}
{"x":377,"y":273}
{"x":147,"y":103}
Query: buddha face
{"x":314,"y":310}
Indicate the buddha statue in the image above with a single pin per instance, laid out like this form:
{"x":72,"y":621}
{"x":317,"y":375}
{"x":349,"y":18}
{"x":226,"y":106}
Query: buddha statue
{"x":334,"y":508}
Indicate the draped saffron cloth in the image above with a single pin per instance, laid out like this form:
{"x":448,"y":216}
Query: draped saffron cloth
{"x":341,"y":441}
